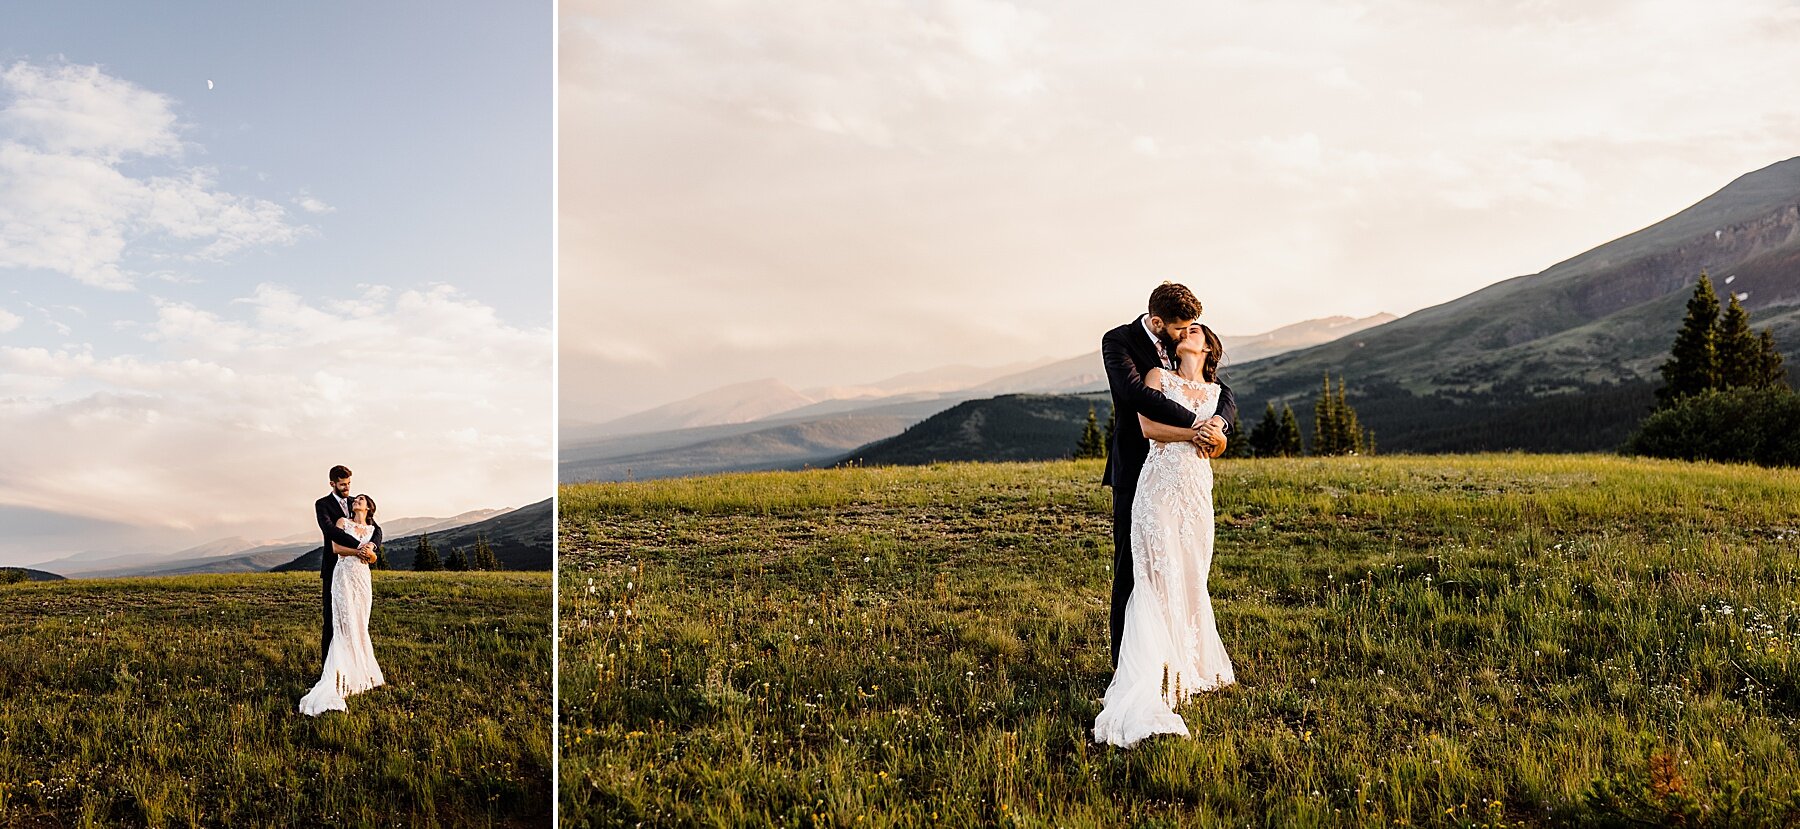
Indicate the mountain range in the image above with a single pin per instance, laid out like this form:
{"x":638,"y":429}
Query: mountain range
{"x":239,"y":555}
{"x":732,"y":429}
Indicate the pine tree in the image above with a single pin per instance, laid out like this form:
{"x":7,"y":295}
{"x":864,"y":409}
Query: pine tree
{"x":381,"y":558}
{"x":1091,"y":445}
{"x":1290,"y":434}
{"x":1265,"y":439}
{"x":456,"y":561}
{"x":1343,"y":433}
{"x":1350,"y":433}
{"x":426,"y":558}
{"x":1740,"y":353}
{"x":1326,"y":428}
{"x":1771,"y":373}
{"x":484,"y":555}
{"x":1693,"y":364}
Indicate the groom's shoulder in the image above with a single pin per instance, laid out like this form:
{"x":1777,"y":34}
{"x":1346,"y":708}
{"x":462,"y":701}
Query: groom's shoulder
{"x":323,"y":501}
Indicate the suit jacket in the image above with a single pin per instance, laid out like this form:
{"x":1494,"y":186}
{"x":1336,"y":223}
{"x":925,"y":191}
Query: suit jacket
{"x":328,"y":512}
{"x":1129,"y":354}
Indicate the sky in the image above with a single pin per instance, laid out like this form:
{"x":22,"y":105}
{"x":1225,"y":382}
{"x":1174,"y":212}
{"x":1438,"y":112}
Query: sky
{"x":242,"y":243}
{"x":835,"y":192}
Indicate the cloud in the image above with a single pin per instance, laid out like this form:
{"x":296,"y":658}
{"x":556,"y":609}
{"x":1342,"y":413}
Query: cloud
{"x":92,"y":179}
{"x":312,"y":205}
{"x":228,"y":419}
{"x":9,"y":321}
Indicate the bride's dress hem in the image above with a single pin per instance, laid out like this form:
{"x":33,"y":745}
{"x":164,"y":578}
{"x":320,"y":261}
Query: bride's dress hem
{"x":350,"y":667}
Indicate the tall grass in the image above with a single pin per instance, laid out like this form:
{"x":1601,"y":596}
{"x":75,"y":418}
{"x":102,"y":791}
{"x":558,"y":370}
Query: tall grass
{"x":171,"y":702}
{"x":1500,"y":640}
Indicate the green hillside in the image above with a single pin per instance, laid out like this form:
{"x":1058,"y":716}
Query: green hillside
{"x":170,"y":701}
{"x":1012,"y":427}
{"x":12,"y":574}
{"x":1598,"y":324}
{"x":1487,"y":640}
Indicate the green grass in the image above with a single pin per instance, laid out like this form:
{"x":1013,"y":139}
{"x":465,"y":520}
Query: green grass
{"x":171,"y":702}
{"x":1474,"y":641}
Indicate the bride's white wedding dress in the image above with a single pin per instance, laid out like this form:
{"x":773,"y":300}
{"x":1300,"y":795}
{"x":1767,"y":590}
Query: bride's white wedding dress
{"x":350,"y":666}
{"x":1170,"y":649}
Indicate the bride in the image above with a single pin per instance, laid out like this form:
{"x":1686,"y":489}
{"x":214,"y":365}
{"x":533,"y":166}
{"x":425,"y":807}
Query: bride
{"x":350,"y":665}
{"x":1170,"y":648}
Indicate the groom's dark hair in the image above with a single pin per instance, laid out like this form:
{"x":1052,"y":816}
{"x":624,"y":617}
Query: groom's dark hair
{"x":340,"y":472}
{"x":1173,"y":302}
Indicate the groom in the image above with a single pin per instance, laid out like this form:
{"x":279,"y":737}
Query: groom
{"x":1129,"y":352}
{"x":329,"y":509}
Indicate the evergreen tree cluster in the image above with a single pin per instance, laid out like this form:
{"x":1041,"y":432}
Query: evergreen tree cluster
{"x":1725,"y":395}
{"x":1335,"y":427}
{"x":426,"y":558}
{"x":1714,"y":352}
{"x":1276,"y":436}
{"x":1336,"y":430}
{"x":483,"y":557}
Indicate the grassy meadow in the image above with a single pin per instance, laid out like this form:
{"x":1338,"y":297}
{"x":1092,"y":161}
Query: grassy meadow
{"x":1490,"y":640}
{"x":153,"y":702}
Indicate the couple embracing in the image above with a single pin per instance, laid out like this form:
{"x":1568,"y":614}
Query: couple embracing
{"x":1171,"y":415}
{"x":352,"y":539}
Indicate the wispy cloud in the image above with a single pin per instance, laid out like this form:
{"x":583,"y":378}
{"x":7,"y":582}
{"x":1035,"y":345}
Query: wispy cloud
{"x":93,"y":176}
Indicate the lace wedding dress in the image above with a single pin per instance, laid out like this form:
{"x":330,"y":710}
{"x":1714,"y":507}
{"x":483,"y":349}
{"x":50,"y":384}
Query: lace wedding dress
{"x":1170,"y":649}
{"x":350,"y":666}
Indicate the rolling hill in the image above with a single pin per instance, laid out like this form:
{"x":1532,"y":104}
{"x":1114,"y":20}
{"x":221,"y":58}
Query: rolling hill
{"x":30,"y":574}
{"x":1014,"y":427}
{"x":521,"y":538}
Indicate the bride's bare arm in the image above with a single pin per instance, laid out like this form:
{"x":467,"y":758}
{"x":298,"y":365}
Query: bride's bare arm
{"x":1163,"y":432}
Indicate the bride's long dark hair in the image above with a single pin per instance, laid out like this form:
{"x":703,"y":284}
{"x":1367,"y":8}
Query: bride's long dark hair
{"x":1209,"y":370}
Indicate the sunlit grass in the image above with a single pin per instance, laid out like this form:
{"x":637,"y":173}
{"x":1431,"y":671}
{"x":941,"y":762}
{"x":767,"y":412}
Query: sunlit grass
{"x":1486,"y":640}
{"x":171,"y":702}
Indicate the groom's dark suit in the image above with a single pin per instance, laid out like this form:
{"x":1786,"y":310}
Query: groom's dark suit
{"x":1129,"y":353}
{"x":328,"y":511}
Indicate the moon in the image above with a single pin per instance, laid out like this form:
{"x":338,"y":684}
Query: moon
{"x":209,"y":83}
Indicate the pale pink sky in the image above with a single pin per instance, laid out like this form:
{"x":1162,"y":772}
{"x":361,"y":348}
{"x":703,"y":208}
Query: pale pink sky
{"x":832,"y":192}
